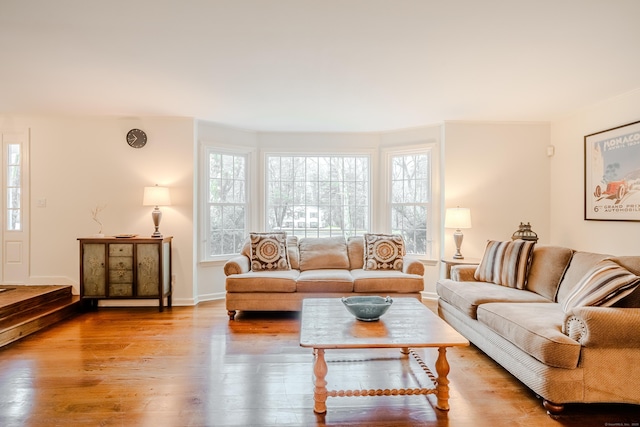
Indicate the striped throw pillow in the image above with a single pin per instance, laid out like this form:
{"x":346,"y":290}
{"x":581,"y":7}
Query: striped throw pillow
{"x":506,"y":263}
{"x":603,"y":285}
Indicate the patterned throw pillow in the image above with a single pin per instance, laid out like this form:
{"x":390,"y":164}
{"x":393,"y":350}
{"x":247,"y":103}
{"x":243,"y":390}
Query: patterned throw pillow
{"x":506,"y":263}
{"x":269,"y":251}
{"x":603,"y":285}
{"x":383,"y":251}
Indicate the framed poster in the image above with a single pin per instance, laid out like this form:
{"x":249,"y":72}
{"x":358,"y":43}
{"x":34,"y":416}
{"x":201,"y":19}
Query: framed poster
{"x":612,"y":174}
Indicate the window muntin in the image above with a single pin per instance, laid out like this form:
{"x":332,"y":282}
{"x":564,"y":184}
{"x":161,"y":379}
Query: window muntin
{"x":226,"y":202}
{"x":410,"y":199}
{"x":14,"y":187}
{"x":318,"y":195}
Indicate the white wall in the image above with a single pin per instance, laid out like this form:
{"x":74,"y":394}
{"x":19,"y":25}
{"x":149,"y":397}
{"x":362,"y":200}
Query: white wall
{"x":568,"y":227}
{"x":501,"y":172}
{"x":80,"y":162}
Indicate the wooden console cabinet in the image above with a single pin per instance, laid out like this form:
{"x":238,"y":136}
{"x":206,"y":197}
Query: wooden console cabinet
{"x":125,"y":268}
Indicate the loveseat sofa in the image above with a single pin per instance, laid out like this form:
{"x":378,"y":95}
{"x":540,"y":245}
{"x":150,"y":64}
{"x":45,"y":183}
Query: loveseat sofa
{"x":567,"y":333}
{"x":318,"y":267}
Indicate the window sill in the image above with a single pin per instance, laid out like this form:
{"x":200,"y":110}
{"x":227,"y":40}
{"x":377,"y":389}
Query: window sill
{"x":216,"y":262}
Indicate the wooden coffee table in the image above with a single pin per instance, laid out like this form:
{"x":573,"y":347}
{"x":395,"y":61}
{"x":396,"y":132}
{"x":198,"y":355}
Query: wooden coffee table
{"x":326,"y":324}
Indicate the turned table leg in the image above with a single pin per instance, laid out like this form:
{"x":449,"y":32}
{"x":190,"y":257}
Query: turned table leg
{"x":320,"y":389}
{"x":442,"y":387}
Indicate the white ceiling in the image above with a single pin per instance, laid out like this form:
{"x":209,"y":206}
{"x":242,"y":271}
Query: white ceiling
{"x":317,"y":65}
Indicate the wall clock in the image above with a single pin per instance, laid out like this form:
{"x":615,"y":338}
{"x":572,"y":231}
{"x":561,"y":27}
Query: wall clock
{"x":136,"y":138}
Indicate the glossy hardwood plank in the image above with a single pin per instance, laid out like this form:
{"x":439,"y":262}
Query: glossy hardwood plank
{"x":190,"y":366}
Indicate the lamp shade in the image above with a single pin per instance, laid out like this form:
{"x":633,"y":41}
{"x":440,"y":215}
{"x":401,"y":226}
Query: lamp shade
{"x":457,"y":218}
{"x":156,"y":196}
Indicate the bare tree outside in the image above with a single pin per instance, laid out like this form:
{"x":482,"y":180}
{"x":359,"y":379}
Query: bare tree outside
{"x":227,"y":203}
{"x":317,"y":196}
{"x":410,"y":199}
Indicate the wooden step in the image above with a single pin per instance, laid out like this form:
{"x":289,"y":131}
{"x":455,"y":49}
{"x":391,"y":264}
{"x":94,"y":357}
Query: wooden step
{"x":25,"y":309}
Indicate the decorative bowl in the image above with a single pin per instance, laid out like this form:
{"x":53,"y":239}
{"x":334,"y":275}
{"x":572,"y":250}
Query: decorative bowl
{"x":367,"y":308}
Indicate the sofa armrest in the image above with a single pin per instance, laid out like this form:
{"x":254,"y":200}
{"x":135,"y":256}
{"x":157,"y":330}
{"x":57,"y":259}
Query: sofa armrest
{"x":463,"y":273}
{"x":603,"y":326}
{"x":413,"y":266}
{"x":237,"y":265}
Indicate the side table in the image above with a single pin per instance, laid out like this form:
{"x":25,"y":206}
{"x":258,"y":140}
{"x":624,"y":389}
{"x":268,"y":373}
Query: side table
{"x":450,"y":262}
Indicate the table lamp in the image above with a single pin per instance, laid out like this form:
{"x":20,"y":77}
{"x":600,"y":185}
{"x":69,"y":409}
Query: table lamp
{"x":458,"y":218}
{"x":156,"y":196}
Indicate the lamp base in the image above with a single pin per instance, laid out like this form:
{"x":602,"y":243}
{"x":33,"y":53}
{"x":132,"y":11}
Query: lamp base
{"x":457,"y":238}
{"x":156,"y":214}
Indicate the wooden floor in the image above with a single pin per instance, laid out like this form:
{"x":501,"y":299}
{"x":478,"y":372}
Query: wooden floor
{"x":190,"y":366}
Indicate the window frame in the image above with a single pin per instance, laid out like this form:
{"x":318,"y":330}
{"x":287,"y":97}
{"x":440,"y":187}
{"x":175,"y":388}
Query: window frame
{"x":208,"y":148}
{"x":430,"y":149}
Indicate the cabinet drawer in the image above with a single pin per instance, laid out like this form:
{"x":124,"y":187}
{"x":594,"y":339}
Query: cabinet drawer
{"x":120,"y":276}
{"x":120,"y":290}
{"x":121,"y":249}
{"x":120,"y":263}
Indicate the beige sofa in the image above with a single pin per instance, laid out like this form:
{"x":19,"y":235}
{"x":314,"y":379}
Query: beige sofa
{"x":584,"y":354}
{"x":320,"y":267}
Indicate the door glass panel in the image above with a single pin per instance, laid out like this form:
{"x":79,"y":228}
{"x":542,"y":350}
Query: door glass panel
{"x":13,"y":187}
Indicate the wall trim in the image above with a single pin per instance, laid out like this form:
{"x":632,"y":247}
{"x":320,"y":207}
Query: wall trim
{"x":432,"y":296}
{"x":214,"y":296}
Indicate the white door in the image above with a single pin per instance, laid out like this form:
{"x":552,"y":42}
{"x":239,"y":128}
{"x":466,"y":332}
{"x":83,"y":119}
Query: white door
{"x":15,"y":207}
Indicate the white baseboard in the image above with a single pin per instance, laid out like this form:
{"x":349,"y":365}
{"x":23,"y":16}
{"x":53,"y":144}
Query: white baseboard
{"x":212,"y":296}
{"x":430,"y":296}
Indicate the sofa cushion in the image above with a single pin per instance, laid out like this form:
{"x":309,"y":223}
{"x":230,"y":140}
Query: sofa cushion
{"x":269,"y":251}
{"x":326,"y":280}
{"x":380,"y":281}
{"x":548,"y":265}
{"x":355,"y":249}
{"x":383,"y":251}
{"x":603,"y":285}
{"x":467,"y":296}
{"x":263,"y":281}
{"x":535,"y":328}
{"x":293,"y":253}
{"x":323,"y":252}
{"x":631,"y":263}
{"x":506,"y":263}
